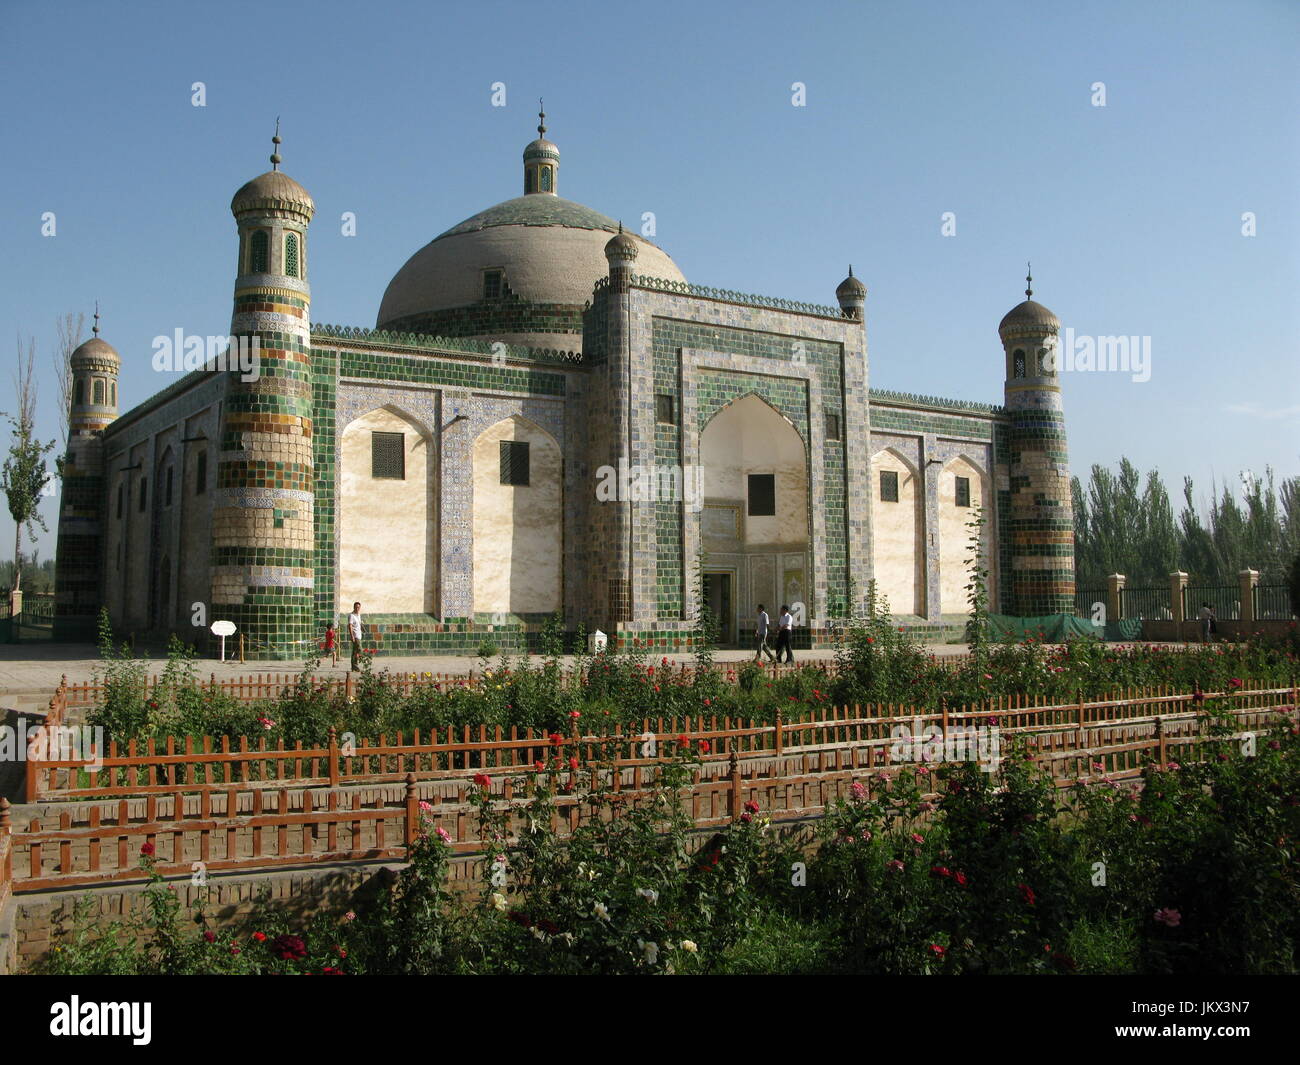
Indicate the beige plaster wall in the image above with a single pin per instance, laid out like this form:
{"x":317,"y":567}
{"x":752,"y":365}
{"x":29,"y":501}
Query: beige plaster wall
{"x":746,"y":437}
{"x":954,"y":537}
{"x":387,"y":527}
{"x":898,"y":530}
{"x":518,"y":529}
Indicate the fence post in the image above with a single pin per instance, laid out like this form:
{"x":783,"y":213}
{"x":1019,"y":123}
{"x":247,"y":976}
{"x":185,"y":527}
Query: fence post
{"x":1114,"y":589}
{"x":6,"y":852}
{"x":334,"y":758}
{"x":736,"y":804}
{"x":780,"y":739}
{"x":412,"y":811}
{"x":1178,"y":601}
{"x":1247,"y":582}
{"x":1081,"y":742}
{"x":241,"y":648}
{"x":347,"y":686}
{"x":1163,"y":748}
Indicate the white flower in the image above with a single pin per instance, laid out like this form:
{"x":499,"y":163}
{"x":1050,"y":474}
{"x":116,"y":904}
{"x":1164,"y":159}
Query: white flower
{"x":648,"y":893}
{"x":601,"y":910}
{"x":689,"y":945}
{"x":650,"y":950}
{"x":499,"y":901}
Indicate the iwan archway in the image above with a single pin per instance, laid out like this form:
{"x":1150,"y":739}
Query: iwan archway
{"x":754,"y":526}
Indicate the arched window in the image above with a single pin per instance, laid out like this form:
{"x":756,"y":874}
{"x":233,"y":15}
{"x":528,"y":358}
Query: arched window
{"x":79,"y":393}
{"x":99,"y":392}
{"x":259,"y":256}
{"x":291,"y":255}
{"x":546,"y":179}
{"x":530,"y":180}
{"x":1018,"y":364}
{"x":112,"y":393}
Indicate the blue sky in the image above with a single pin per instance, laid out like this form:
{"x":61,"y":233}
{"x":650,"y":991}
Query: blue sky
{"x":1131,"y":212}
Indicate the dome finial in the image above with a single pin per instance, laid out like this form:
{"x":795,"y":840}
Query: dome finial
{"x":541,"y":115}
{"x":95,"y":328}
{"x":1029,"y":281}
{"x":275,"y":152}
{"x":850,"y":269}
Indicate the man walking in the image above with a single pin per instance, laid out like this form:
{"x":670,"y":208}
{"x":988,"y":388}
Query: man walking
{"x":1207,"y":623}
{"x":785,"y":634}
{"x":760,"y":634}
{"x":355,"y":630}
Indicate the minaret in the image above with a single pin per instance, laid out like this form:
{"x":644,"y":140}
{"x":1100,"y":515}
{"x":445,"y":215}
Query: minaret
{"x":541,"y":161}
{"x":79,"y":551}
{"x":263,"y":544}
{"x":852,"y":297}
{"x":1038,"y":528}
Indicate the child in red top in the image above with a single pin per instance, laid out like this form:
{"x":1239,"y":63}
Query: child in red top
{"x":331,"y":647}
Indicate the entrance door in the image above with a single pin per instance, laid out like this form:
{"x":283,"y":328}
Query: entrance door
{"x":717,"y":594}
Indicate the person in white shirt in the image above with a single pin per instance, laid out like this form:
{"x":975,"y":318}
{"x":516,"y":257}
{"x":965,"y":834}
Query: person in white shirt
{"x":355,"y":630}
{"x":784,"y":634}
{"x":760,"y":635}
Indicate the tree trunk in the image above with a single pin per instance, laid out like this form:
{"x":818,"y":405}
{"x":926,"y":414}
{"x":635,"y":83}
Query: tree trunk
{"x":18,"y":555}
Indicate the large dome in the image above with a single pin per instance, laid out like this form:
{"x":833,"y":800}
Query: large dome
{"x":549,"y":250}
{"x":520,"y":272}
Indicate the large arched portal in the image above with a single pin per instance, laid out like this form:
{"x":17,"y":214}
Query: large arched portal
{"x":898,"y":527}
{"x":387,"y":516}
{"x":754,"y":525}
{"x":963,"y":493}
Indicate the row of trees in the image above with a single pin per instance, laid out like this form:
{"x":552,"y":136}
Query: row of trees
{"x":1125,"y":523}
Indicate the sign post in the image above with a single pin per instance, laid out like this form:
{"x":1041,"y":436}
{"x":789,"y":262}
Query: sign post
{"x":223,"y":629}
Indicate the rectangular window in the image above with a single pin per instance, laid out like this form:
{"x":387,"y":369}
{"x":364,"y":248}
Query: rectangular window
{"x":144,"y":491}
{"x":963,"y":491}
{"x":762,"y":495}
{"x":514,"y":462}
{"x":889,"y":486}
{"x":664,"y":409}
{"x":832,"y":426}
{"x":201,"y":473}
{"x":388,"y":456}
{"x":491,"y":284}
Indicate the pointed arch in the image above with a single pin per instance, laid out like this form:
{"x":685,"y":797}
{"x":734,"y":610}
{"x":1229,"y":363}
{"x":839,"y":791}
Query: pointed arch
{"x":518,"y":518}
{"x":958,"y":504}
{"x":898,"y":531}
{"x":387,"y":524}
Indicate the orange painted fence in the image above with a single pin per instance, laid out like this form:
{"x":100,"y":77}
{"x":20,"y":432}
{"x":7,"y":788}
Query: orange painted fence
{"x":244,"y":829}
{"x":195,"y":764}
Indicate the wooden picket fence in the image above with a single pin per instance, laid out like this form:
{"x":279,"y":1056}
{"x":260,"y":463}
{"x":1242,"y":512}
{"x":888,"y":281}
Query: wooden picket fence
{"x":195,"y":764}
{"x":253,"y":829}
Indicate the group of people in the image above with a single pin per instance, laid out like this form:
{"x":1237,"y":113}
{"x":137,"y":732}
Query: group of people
{"x":356,"y":628}
{"x":784,"y":634}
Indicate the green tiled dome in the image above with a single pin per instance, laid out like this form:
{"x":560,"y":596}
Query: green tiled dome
{"x":535,"y":211}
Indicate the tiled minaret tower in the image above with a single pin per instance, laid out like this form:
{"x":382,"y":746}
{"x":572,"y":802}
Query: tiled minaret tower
{"x":1039,"y":525}
{"x":79,"y":555}
{"x":262,"y":523}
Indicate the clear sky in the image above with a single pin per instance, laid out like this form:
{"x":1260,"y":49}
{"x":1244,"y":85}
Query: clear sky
{"x":1131,"y":212}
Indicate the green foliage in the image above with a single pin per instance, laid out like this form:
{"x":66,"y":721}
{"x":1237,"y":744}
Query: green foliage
{"x":965,"y":869}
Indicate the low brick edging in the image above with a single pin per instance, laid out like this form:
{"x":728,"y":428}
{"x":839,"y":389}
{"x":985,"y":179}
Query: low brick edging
{"x":1189,"y":631}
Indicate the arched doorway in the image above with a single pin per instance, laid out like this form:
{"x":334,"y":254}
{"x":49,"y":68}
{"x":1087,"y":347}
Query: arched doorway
{"x":755,"y":519}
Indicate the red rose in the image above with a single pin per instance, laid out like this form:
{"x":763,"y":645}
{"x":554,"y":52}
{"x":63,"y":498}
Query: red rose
{"x":751,"y":806}
{"x":556,"y":739}
{"x":147,"y":850}
{"x":209,"y":937}
{"x":704,"y":746}
{"x":260,"y":937}
{"x":539,"y":765}
{"x":1027,"y":893}
{"x":482,"y":780}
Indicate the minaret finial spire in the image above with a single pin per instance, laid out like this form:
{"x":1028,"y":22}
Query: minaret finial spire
{"x":275,"y":152}
{"x":1029,"y":281}
{"x":95,"y":328}
{"x":541,"y":116}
